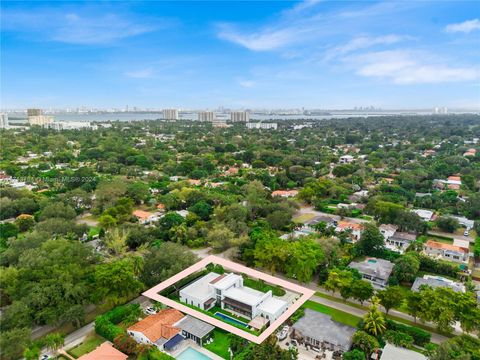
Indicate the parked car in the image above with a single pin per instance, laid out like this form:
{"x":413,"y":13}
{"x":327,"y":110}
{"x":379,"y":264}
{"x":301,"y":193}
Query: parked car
{"x":150,"y":311}
{"x":465,"y":233}
{"x":44,"y":357}
{"x":283,"y":333}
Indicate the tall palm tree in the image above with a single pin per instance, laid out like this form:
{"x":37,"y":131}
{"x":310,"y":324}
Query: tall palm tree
{"x":374,"y":321}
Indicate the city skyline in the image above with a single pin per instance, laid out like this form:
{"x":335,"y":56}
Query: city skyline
{"x":312,"y":54}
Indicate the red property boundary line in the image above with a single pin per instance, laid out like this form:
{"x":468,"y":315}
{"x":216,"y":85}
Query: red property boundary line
{"x":153,"y":294}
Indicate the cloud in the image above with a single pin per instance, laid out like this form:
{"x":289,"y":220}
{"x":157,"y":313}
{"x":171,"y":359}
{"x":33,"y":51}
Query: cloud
{"x":140,"y":74}
{"x":410,"y":67}
{"x":246,"y":83}
{"x":465,"y":27}
{"x":82,"y":26}
{"x":364,"y":42}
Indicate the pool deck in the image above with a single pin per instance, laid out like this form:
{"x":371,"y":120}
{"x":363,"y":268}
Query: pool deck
{"x":190,"y":343}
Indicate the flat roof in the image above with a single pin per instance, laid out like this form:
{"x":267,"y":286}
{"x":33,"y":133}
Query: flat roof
{"x":199,"y":288}
{"x":194,"y":326}
{"x":305,"y":293}
{"x":226,"y":281}
{"x":375,"y":267}
{"x":245,"y":295}
{"x":391,"y":352}
{"x":272,"y":305}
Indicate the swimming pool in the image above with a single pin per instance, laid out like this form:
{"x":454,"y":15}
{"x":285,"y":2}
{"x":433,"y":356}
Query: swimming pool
{"x":192,"y":354}
{"x":230,"y":319}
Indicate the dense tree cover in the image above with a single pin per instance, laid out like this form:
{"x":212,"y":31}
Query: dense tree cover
{"x":88,"y":186}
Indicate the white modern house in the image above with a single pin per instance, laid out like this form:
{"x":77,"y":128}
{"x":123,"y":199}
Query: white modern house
{"x":228,"y":292}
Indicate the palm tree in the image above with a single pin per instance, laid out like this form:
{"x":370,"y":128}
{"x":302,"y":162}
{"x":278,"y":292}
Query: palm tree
{"x":374,"y":321}
{"x":54,"y":341}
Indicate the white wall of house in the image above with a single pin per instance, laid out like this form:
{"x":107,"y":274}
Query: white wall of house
{"x":140,"y":337}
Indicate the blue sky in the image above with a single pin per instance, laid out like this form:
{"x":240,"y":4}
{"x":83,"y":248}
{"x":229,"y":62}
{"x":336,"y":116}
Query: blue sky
{"x":316,"y":54}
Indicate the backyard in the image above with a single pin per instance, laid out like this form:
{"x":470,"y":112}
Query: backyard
{"x":89,"y":344}
{"x":220,"y":344}
{"x":337,"y":315}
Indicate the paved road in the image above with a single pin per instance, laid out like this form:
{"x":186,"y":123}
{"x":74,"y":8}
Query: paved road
{"x":76,"y":337}
{"x":452,"y":236}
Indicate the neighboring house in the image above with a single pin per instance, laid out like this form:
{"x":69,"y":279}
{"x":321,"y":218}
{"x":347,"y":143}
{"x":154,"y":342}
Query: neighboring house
{"x":285,"y":193}
{"x":145,"y":217}
{"x":168,"y":328}
{"x":400,"y":241}
{"x":318,"y":219}
{"x":377,"y":271}
{"x":317,"y":329}
{"x":425,"y":215}
{"x":470,"y":152}
{"x":158,"y":330}
{"x":466,"y":223}
{"x":387,"y":230}
{"x":182,"y":213}
{"x":453,"y":183}
{"x":391,"y":352}
{"x":437,"y":281}
{"x":356,"y":229}
{"x":228,"y":292}
{"x":346,"y":159}
{"x":105,"y":351}
{"x":446,"y":251}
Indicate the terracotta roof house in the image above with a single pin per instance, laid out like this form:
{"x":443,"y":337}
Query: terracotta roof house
{"x":158,"y":329}
{"x":168,"y":328}
{"x":470,"y":152}
{"x":145,"y":217}
{"x":104,"y":351}
{"x":285,"y":193}
{"x":356,"y":229}
{"x":446,"y":251}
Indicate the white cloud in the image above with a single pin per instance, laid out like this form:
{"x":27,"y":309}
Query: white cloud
{"x":409,"y":67}
{"x":84,"y":27}
{"x":246,"y":83}
{"x":140,"y":74}
{"x":465,"y":27}
{"x":364,"y":42}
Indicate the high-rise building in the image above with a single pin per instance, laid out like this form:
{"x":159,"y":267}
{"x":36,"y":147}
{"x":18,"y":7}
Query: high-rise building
{"x":206,"y":116}
{"x":170,"y":114}
{"x":4,"y":121}
{"x":240,"y":116}
{"x":36,"y":117}
{"x":34,"y":112}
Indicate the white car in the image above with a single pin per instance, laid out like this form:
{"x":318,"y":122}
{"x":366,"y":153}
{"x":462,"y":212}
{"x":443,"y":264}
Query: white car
{"x":465,"y":233}
{"x":44,"y":357}
{"x":150,"y":311}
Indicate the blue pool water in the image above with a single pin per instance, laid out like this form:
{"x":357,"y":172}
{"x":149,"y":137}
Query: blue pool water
{"x":230,"y":319}
{"x":192,"y":354}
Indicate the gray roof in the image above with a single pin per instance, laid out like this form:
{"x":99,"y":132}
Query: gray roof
{"x":391,"y":352}
{"x":403,"y":236}
{"x":322,"y":328}
{"x":437,"y":282}
{"x":378,"y":268}
{"x":194,"y":326}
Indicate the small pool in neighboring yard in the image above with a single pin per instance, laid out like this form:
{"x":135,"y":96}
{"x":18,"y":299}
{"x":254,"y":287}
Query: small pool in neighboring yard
{"x":192,"y":354}
{"x":230,"y":319}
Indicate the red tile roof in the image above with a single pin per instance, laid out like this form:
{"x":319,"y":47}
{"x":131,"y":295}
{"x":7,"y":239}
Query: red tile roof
{"x":104,"y":352}
{"x":141,"y":214}
{"x":443,"y":246}
{"x":159,"y":325}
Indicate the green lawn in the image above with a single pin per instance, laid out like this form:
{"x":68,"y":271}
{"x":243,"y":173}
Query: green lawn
{"x":89,"y":344}
{"x":262,"y":286}
{"x":337,"y":315}
{"x":94,"y":230}
{"x":220,"y":344}
{"x":303,"y":218}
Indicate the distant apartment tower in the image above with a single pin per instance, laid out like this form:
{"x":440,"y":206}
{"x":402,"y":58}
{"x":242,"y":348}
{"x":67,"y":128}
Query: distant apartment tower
{"x":36,"y":117}
{"x":4,"y":121}
{"x":206,"y":116}
{"x":262,"y":125}
{"x":239,"y":116}
{"x":170,"y":114}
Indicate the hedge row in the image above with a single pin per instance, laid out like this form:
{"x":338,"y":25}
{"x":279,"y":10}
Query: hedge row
{"x":420,"y":337}
{"x":106,"y":324}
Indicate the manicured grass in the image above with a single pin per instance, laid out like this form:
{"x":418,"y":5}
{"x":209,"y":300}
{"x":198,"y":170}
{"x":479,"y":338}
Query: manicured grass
{"x":262,"y":286}
{"x":89,"y":344}
{"x":220,"y":344}
{"x":303,"y":218}
{"x":94,"y":230}
{"x":337,"y":315}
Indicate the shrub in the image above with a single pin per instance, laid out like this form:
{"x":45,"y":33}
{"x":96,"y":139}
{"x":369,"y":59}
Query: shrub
{"x":420,"y":337}
{"x":105,"y":328}
{"x":398,"y":338}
